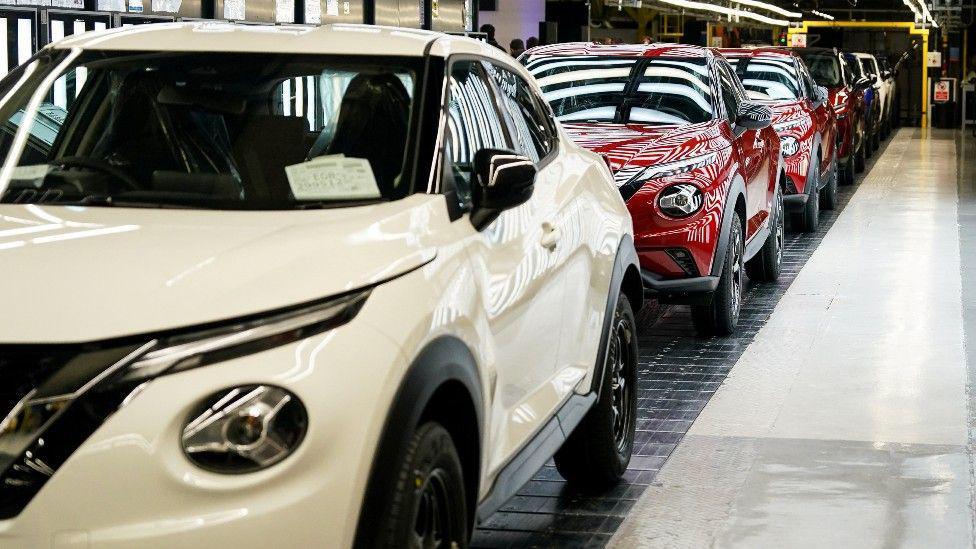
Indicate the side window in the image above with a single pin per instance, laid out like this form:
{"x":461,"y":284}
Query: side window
{"x":729,"y":96}
{"x":474,"y":122}
{"x":530,"y":124}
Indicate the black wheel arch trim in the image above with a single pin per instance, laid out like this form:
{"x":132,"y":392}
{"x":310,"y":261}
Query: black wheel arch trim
{"x":736,"y":189}
{"x":443,"y":360}
{"x":626,"y":259}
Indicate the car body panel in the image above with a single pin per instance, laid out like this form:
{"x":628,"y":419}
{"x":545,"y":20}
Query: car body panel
{"x":184,"y":268}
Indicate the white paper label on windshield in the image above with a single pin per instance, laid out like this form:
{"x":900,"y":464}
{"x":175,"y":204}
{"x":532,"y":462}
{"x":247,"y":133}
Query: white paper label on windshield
{"x":333,"y":177}
{"x":30,"y":173}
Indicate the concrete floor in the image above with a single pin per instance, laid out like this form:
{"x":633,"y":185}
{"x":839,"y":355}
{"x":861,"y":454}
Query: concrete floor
{"x":847,"y":422}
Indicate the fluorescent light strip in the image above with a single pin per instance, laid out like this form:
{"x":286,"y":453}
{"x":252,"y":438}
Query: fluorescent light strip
{"x":691,"y":5}
{"x":826,"y":16}
{"x":770,"y":7}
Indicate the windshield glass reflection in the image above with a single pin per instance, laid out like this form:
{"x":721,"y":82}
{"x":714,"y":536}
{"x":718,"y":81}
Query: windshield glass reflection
{"x":656,"y":91}
{"x":772,"y":78}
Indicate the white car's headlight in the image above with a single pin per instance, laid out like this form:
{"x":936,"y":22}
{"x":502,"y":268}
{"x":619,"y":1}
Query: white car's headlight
{"x":789,"y":146}
{"x":187,"y":351}
{"x":680,"y":200}
{"x":244,"y":429}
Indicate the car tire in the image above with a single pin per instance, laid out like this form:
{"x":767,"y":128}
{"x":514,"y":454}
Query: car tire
{"x":828,"y":195}
{"x":597,"y":452}
{"x":847,"y":173}
{"x":808,"y":219}
{"x":876,"y":142}
{"x":768,"y":263}
{"x":721,"y":315}
{"x":427,"y":503}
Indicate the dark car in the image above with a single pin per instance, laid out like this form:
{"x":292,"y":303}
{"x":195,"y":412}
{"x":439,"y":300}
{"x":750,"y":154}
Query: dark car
{"x":831,"y":70}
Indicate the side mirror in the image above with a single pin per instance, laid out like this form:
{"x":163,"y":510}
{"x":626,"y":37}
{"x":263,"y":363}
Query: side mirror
{"x":503,"y":180}
{"x":862,"y":83}
{"x":753,"y":116}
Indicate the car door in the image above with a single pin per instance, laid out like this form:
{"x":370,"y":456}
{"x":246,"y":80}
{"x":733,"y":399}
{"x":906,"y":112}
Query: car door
{"x":753,"y":150}
{"x":563,"y":183}
{"x":514,"y":267}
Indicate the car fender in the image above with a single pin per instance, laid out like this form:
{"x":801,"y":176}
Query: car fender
{"x":736,"y":189}
{"x":814,"y":148}
{"x":626,"y":259}
{"x":444,"y":359}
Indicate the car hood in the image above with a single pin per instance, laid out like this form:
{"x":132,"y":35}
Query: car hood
{"x":82,"y":274}
{"x":624,"y":145}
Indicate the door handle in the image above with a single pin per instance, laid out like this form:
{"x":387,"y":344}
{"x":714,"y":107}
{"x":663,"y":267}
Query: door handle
{"x":550,"y":236}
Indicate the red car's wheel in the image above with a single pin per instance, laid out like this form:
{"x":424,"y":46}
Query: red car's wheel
{"x":721,"y":315}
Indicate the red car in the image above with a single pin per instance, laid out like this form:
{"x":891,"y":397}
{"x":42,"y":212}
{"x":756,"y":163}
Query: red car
{"x":831,"y":70}
{"x":694,"y":158}
{"x":805,"y":122}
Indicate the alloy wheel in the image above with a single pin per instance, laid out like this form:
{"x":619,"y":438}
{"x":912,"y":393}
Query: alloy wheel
{"x":432,"y":521}
{"x":621,"y":362}
{"x":780,"y":231}
{"x":737,"y":273}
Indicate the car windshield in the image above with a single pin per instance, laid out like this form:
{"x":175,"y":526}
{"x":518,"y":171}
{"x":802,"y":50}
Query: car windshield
{"x":655,"y":91}
{"x":768,"y":77}
{"x":205,"y":130}
{"x":825,"y":69}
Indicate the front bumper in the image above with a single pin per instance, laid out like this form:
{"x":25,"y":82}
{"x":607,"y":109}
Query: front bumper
{"x":129,"y":484}
{"x":680,"y":290}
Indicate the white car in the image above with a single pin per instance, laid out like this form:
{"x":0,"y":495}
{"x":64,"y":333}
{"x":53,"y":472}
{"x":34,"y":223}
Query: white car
{"x":873,"y":71}
{"x":305,"y":286}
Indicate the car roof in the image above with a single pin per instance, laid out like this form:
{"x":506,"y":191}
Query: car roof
{"x":756,"y":52}
{"x":337,"y":39}
{"x":621,"y":50}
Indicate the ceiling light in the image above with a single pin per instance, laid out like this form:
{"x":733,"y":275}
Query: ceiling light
{"x":692,"y":5}
{"x":770,"y":7}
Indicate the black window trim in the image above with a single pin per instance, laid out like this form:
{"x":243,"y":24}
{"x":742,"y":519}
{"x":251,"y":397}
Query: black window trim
{"x":438,"y":165}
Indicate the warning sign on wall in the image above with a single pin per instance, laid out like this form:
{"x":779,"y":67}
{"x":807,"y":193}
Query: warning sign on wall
{"x":798,"y":40}
{"x":942,"y":92}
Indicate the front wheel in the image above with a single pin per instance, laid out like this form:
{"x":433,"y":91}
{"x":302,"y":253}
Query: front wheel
{"x":427,"y":505}
{"x":596,"y":453}
{"x":808,"y":219}
{"x":721,"y":315}
{"x":768,"y":263}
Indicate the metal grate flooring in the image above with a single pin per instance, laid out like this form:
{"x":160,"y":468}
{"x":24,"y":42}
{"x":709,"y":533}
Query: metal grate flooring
{"x":678,"y":373}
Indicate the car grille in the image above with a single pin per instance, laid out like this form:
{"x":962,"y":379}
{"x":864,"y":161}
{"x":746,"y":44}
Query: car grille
{"x":40,"y":437}
{"x":23,"y":369}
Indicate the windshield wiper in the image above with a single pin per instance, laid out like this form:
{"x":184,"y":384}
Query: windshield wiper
{"x":112,"y":202}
